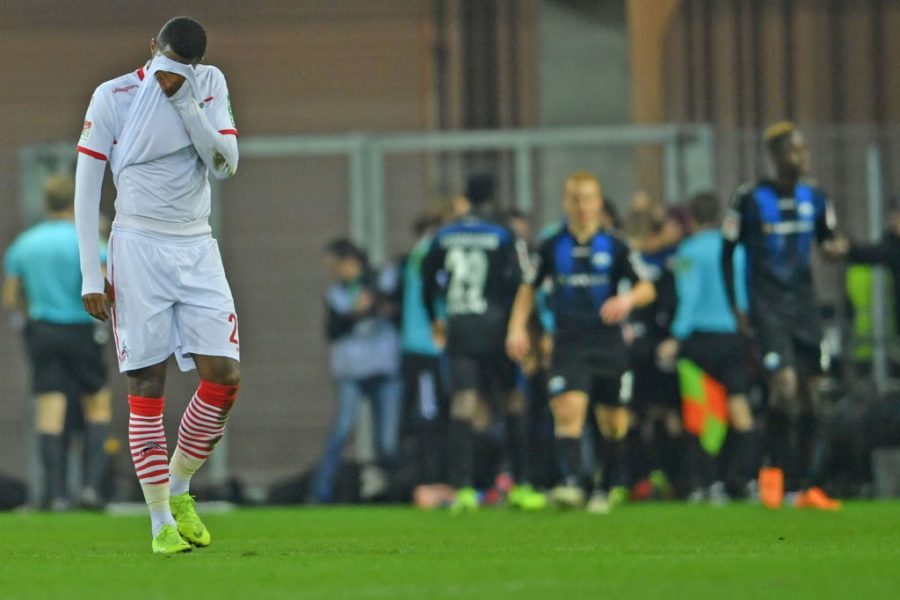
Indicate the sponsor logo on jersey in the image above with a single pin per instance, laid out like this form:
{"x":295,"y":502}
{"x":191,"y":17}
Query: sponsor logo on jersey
{"x":86,"y":132}
{"x":127,"y":88}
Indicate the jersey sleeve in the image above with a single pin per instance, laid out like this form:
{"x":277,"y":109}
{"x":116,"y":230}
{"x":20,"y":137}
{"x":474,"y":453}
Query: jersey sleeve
{"x":734,"y":225}
{"x":826,"y":221}
{"x":218,"y":107}
{"x":627,"y":264}
{"x":98,"y":132}
{"x":543,"y":267}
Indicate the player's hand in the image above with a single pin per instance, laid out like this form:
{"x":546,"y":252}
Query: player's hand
{"x":517,"y":343}
{"x":95,"y":304}
{"x":439,"y":334}
{"x":836,"y":248}
{"x":667,"y":354}
{"x":616,"y":309}
{"x":169,"y":82}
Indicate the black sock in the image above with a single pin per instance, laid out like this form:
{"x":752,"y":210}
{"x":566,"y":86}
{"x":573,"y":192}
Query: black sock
{"x":568,"y":453}
{"x":821,"y":454}
{"x":95,"y":435}
{"x":779,"y":440}
{"x":701,"y":465}
{"x":517,"y":444}
{"x":53,"y":457}
{"x":462,"y":453}
{"x":744,"y":455}
{"x":615,"y":463}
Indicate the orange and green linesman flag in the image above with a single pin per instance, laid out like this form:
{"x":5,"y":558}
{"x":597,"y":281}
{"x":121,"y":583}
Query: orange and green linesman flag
{"x":704,"y":406}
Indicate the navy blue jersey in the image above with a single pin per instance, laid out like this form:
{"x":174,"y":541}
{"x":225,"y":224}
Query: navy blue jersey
{"x":475,"y":267}
{"x":583,"y":277}
{"x":655,"y":319}
{"x":778,"y":228}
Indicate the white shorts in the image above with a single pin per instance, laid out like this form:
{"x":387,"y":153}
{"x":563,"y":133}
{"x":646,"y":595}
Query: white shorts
{"x":171,"y":296}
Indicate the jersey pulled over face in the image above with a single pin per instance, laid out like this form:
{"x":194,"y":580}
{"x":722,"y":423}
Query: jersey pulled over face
{"x":158,"y":174}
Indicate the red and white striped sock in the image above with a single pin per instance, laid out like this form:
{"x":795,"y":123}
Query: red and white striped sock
{"x":147,"y":440}
{"x":202,"y":426}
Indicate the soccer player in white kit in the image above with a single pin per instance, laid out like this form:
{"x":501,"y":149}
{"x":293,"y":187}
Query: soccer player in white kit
{"x":162,"y":129}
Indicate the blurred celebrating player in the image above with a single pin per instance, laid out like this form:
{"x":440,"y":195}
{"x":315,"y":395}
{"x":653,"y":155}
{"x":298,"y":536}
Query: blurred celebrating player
{"x":778,"y":220}
{"x":481,"y":262}
{"x":585,"y":265}
{"x":163,"y":128}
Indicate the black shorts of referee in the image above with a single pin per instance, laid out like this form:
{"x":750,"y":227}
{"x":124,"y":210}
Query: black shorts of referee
{"x":722,"y":355}
{"x":65,"y":358}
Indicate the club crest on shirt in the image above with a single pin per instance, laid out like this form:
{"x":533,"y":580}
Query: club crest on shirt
{"x":86,"y":132}
{"x":601,"y":259}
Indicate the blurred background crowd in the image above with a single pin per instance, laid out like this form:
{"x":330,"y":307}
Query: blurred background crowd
{"x":361,"y":123}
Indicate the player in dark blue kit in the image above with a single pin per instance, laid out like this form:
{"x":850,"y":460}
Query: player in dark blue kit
{"x":474,"y":267}
{"x":778,"y":221}
{"x":585,"y":265}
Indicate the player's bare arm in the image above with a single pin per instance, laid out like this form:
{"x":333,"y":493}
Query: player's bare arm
{"x":518,"y":343}
{"x":616,"y":309}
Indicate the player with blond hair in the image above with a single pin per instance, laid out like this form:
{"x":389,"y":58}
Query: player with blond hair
{"x":585,"y":265}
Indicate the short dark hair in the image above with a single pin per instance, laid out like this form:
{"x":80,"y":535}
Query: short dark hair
{"x":59,"y":193}
{"x":185,"y":36}
{"x":705,"y":208}
{"x":480,"y":188}
{"x":342,"y":249}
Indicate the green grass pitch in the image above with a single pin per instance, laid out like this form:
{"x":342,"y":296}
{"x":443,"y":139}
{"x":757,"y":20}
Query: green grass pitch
{"x":640,"y":551}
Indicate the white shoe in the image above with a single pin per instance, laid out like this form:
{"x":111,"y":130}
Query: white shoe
{"x":567,"y":496}
{"x":598,"y":504}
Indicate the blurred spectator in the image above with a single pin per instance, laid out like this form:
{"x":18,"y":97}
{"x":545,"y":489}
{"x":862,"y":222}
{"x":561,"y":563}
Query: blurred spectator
{"x":43,"y":280}
{"x":365,"y":361}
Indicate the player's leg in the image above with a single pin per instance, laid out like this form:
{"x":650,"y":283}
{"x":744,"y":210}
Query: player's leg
{"x":87,"y":367}
{"x":149,"y":452}
{"x":50,"y":420}
{"x":569,"y":410}
{"x":465,"y":381}
{"x":815,"y":413}
{"x":97,"y":408}
{"x":49,"y":386}
{"x":613,"y":421}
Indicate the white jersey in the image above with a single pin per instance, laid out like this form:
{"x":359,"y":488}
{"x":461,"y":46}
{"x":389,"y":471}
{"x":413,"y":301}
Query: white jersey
{"x":162,"y":184}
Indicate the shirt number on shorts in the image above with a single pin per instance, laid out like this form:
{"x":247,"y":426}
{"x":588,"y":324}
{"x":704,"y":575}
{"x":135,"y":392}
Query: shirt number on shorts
{"x":232,"y":318}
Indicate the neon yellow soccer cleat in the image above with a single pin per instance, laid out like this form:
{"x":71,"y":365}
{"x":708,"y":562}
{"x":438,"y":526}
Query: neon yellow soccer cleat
{"x":189,"y":524}
{"x":525,"y":497}
{"x":169,"y":541}
{"x":466,"y":501}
